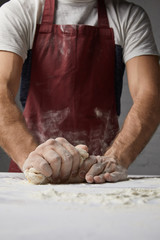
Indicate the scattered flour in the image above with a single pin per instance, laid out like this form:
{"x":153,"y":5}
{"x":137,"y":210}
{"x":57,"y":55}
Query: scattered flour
{"x":130,"y":196}
{"x":135,"y":192}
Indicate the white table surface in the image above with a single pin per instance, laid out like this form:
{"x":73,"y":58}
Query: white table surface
{"x":123,"y":210}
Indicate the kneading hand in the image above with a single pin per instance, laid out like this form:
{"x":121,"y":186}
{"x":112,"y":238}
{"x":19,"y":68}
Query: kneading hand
{"x":56,"y":159}
{"x":105,"y":170}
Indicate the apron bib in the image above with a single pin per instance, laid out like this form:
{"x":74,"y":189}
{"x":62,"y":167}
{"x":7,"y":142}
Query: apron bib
{"x":71,"y":92}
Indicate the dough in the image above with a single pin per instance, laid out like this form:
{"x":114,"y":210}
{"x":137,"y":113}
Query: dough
{"x":35,"y":177}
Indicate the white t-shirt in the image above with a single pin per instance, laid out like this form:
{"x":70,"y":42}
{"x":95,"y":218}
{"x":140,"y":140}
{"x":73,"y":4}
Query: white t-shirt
{"x":132,"y":28}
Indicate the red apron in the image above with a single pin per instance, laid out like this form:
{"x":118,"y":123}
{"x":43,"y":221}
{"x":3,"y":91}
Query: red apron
{"x":71,"y":92}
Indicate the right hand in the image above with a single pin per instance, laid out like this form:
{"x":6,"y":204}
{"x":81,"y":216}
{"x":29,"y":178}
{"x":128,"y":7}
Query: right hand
{"x":55,"y":158}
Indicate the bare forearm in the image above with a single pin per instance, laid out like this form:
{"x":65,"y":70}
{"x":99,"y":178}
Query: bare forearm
{"x":137,"y":130}
{"x":15,"y":138}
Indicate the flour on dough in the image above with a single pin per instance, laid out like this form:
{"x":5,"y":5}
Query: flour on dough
{"x":33,"y":176}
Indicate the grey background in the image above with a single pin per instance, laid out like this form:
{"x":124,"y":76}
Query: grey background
{"x":148,"y":162}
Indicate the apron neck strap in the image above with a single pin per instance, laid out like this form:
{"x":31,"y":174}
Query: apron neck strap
{"x":49,"y":12}
{"x":102,"y":14}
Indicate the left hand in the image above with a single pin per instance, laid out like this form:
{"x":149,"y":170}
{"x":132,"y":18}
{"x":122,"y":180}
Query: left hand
{"x":106,"y":169}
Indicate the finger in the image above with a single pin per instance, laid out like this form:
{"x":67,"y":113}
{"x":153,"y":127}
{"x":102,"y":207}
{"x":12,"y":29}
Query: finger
{"x":39,"y":163}
{"x":95,"y":170}
{"x":99,"y":179}
{"x":115,"y":176}
{"x":74,"y":153}
{"x":66,"y":164}
{"x":86,"y":165}
{"x":111,"y":167}
{"x":54,"y":160}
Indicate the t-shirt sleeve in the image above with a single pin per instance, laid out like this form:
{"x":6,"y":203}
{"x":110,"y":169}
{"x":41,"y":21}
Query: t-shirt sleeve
{"x":13,"y":30}
{"x":138,"y":35}
{"x":18,"y":21}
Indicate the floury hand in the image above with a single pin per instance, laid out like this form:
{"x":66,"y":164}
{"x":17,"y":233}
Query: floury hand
{"x":106,"y":169}
{"x":50,"y":160}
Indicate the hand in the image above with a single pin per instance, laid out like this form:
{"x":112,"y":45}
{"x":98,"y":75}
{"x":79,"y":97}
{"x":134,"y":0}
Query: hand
{"x":84,"y":168}
{"x":55,"y":158}
{"x":106,"y":170}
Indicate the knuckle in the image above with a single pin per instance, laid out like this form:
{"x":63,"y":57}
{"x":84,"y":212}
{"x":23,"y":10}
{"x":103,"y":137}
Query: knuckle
{"x":31,"y":155}
{"x":41,"y":146}
{"x":113,"y":167}
{"x":56,"y":159}
{"x":60,"y":139}
{"x":43,"y":165}
{"x":98,"y":166}
{"x":68,"y":157}
{"x":92,"y":159}
{"x":48,"y":154}
{"x":39,"y":149}
{"x":50,"y":141}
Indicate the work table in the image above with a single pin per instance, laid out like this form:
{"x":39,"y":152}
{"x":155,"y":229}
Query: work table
{"x":123,"y":210}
